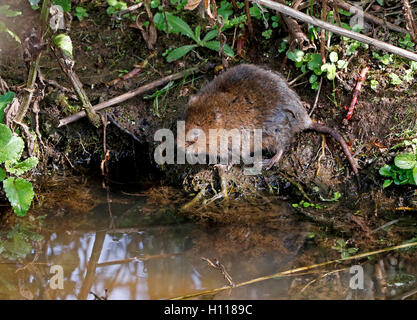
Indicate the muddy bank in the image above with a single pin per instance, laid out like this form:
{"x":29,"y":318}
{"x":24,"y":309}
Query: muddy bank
{"x":313,"y":168}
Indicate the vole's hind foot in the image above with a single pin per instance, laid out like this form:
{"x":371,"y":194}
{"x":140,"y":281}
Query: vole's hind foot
{"x":269,"y":163}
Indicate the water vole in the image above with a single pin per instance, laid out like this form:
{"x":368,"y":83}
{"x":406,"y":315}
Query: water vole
{"x":251,"y":97}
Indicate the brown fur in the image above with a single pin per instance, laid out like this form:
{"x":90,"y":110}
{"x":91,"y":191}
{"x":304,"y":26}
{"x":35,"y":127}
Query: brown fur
{"x":251,"y":97}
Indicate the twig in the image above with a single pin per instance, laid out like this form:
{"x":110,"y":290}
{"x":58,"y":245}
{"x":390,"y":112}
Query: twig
{"x":369,"y":17}
{"x":249,"y":19}
{"x":361,"y":80}
{"x":66,"y":64}
{"x":297,"y":270}
{"x":218,"y":266}
{"x":33,"y":70}
{"x":127,"y":95}
{"x":335,"y":29}
{"x":119,"y":14}
{"x":410,"y":23}
{"x":317,"y":97}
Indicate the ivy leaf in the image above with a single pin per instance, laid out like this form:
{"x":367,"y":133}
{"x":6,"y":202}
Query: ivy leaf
{"x":395,"y":80}
{"x":333,"y":56}
{"x":13,"y":150}
{"x":215,"y":45}
{"x":19,"y":168}
{"x":20,"y":194}
{"x":385,"y":171}
{"x":179,"y":52}
{"x":181,"y":26}
{"x":405,"y":161}
{"x":5,"y":135}
{"x":63,"y":42}
{"x":330,"y":68}
{"x":5,"y":99}
{"x":315,"y":62}
{"x":2,"y":174}
{"x":65,"y":4}
{"x":296,"y":55}
{"x":387,"y":183}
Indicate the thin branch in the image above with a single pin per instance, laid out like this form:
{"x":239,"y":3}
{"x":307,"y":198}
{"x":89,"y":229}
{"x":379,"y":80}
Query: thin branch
{"x":33,"y":69}
{"x":297,"y":270}
{"x":66,"y":65}
{"x":369,"y":17}
{"x":128,"y":95}
{"x":335,"y":29}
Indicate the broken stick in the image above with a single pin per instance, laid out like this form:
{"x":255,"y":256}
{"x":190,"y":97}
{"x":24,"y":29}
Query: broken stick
{"x":128,"y":95}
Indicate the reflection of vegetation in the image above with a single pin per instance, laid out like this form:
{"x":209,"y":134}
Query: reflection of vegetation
{"x":17,"y":243}
{"x":343,"y":249}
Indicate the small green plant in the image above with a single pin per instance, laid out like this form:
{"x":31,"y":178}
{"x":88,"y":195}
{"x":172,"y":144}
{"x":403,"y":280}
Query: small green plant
{"x":331,"y":67}
{"x":306,"y":62}
{"x":115,"y":6}
{"x":17,"y":243}
{"x":156,"y":95}
{"x":406,"y":42}
{"x":305,"y":204}
{"x":395,"y":79}
{"x":404,"y":170}
{"x":342,"y":248}
{"x":18,"y":190}
{"x":177,"y":25}
{"x":80,"y":13}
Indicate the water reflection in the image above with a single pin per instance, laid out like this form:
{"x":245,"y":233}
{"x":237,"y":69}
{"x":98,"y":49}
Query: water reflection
{"x":133,"y":255}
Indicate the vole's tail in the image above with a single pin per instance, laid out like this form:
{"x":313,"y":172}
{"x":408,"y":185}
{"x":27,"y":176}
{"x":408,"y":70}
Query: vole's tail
{"x":320,"y":128}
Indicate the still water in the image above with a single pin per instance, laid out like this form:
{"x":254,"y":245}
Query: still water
{"x":88,"y":243}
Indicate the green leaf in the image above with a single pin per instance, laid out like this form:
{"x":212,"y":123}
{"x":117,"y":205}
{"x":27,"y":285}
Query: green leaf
{"x":315,"y":62}
{"x":20,"y":194}
{"x":296,"y":55}
{"x":215,"y":45}
{"x":197,"y":32}
{"x":2,"y":174}
{"x":210,"y":35}
{"x":179,"y":52}
{"x":5,"y":135}
{"x":385,"y":171}
{"x":330,"y":69}
{"x":6,"y":12}
{"x":63,"y":42}
{"x":5,"y":99}
{"x":415,"y":175}
{"x":179,"y":25}
{"x":313,"y":78}
{"x":13,"y":150}
{"x":387,"y":183}
{"x":341,"y":64}
{"x":19,"y":168}
{"x":405,"y":161}
{"x":395,"y":80}
{"x":65,"y":4}
{"x":333,"y":56}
